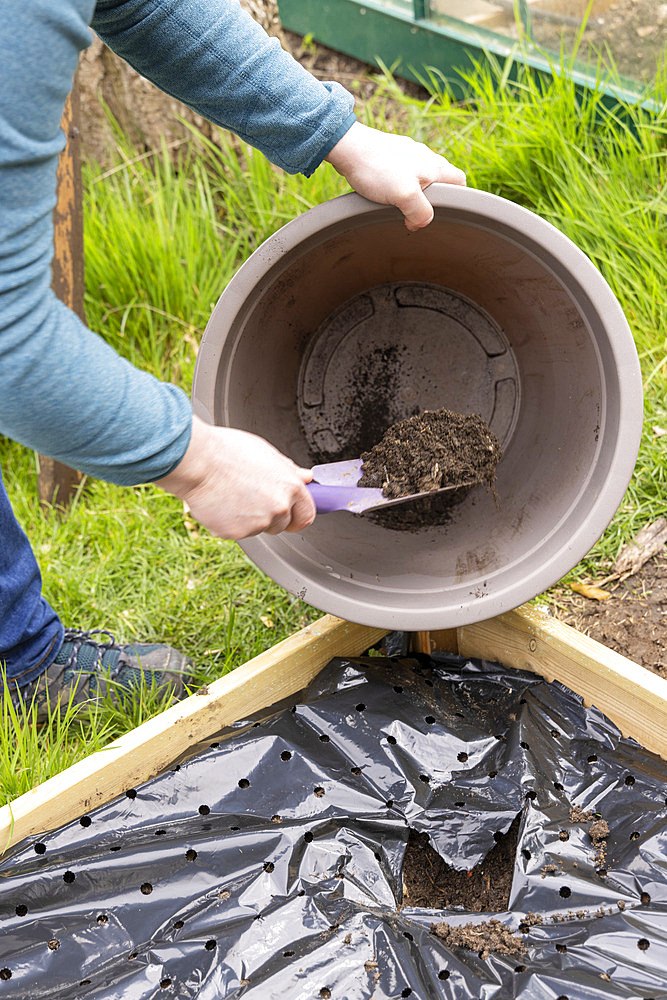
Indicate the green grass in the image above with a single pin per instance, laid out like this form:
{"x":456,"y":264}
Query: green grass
{"x":163,"y":237}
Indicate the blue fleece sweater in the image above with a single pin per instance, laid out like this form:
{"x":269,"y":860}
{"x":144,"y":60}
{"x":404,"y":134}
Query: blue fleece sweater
{"x":63,"y":391}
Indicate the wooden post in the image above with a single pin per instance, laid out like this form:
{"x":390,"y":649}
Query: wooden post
{"x":57,"y":482}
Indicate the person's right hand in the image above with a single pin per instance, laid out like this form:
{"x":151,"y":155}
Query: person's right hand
{"x":236,"y":484}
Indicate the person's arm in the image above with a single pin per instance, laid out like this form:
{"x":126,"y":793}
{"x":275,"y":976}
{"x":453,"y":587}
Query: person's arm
{"x":63,"y":391}
{"x":211,"y":55}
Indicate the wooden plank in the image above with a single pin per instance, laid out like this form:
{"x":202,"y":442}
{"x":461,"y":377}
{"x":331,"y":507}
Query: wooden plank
{"x":634,"y":698}
{"x":148,"y":749}
{"x":56,"y":482}
{"x":445,"y":640}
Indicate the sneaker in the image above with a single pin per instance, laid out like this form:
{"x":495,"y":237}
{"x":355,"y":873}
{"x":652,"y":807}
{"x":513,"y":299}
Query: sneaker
{"x":87,"y":669}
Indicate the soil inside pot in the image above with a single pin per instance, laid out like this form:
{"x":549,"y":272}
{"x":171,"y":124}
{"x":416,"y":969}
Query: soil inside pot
{"x":432,"y":450}
{"x":430,"y":882}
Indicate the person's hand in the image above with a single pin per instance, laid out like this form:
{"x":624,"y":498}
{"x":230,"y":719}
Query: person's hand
{"x":237,"y":484}
{"x":392,"y":170}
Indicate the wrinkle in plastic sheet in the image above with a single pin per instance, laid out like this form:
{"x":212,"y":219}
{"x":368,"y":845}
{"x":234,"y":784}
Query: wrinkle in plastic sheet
{"x":268,"y":863}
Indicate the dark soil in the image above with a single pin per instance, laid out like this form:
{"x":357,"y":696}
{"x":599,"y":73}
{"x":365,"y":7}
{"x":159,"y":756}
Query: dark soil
{"x":634,"y":619}
{"x":430,"y":451}
{"x":485,"y":937}
{"x":428,"y":880}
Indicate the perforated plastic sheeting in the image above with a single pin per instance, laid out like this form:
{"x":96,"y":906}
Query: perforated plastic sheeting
{"x":268,"y":865}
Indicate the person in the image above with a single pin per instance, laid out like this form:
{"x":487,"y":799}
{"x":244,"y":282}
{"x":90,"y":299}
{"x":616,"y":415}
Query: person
{"x":67,"y":394}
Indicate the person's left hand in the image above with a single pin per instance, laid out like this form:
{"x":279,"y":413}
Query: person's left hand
{"x":392,"y":170}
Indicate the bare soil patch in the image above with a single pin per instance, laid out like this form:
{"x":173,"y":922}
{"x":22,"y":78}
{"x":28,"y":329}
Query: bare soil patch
{"x":430,"y":882}
{"x":633,"y":621}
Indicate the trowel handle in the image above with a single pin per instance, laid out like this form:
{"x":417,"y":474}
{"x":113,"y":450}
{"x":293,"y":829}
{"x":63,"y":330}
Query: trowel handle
{"x":330,"y":498}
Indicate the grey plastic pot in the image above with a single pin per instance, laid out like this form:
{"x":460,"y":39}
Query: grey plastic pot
{"x":342,"y":322}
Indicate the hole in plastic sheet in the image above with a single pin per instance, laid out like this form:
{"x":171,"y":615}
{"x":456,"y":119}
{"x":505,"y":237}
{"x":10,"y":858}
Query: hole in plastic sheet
{"x":318,"y":791}
{"x":531,"y":794}
{"x":165,"y":983}
{"x":602,"y":872}
{"x":210,"y":945}
{"x":555,"y":733}
{"x":288,"y":954}
{"x":191,"y":854}
{"x":360,"y":707}
{"x":131,"y":957}
{"x":204,"y":810}
{"x":563,"y":835}
{"x":526,"y":853}
{"x":634,"y":835}
{"x":146,"y":888}
{"x":308,"y":837}
{"x":645,"y":898}
{"x":408,"y":935}
{"x":562,"y":997}
{"x":629,"y":779}
{"x":498,"y":836}
{"x":425,"y":778}
{"x":558,"y":786}
{"x":53,"y":944}
{"x":565,"y":891}
{"x":397,"y":688}
{"x":462,"y":757}
{"x":520,"y":968}
{"x":85,"y":982}
{"x":21,"y":910}
{"x":85,"y":821}
{"x":131,"y":793}
{"x":389,"y":804}
{"x":214,"y":746}
{"x":325,"y":993}
{"x":429,"y":720}
{"x":493,"y":774}
{"x":177,"y":768}
{"x":114,"y":848}
{"x":459,"y":805}
{"x":276,"y":818}
{"x":256,"y":725}
{"x":244,"y":783}
{"x":160,"y":833}
{"x":324,"y":738}
{"x":5,"y":974}
{"x":69,"y":877}
{"x":102,"y":918}
{"x":355,"y":770}
{"x":391,"y":740}
{"x":592,"y":758}
{"x":561,"y":949}
{"x":178,"y":924}
{"x":40,"y":848}
{"x":234,"y":829}
{"x":286,"y":755}
{"x":406,"y":992}
{"x":269,"y":866}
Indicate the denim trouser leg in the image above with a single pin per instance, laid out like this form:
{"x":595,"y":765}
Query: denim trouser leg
{"x":30,"y":631}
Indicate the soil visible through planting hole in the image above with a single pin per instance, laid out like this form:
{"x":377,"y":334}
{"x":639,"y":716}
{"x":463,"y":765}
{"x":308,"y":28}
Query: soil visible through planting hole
{"x":427,"y":452}
{"x":430,"y":882}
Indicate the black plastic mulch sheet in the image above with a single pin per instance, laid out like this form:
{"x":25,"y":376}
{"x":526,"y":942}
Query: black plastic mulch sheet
{"x":268,"y":865}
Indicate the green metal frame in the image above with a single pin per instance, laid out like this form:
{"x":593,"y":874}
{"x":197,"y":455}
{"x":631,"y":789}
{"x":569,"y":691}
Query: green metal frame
{"x":405,"y":37}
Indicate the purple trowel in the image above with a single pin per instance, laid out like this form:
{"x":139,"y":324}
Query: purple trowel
{"x":334,"y":487}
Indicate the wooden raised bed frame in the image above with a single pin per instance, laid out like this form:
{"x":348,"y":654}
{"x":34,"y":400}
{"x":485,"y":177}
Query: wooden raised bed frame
{"x":634,"y":698}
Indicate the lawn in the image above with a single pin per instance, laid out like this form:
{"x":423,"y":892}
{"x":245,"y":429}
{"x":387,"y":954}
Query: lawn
{"x":164,"y":234}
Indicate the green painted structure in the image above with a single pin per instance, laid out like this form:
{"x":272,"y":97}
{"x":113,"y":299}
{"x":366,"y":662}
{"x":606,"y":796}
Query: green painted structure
{"x":410,"y":39}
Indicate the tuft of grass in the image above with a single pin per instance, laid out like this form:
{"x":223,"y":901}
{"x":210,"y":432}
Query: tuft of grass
{"x":165,"y":233}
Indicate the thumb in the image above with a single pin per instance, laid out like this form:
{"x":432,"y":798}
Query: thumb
{"x":417,"y":210}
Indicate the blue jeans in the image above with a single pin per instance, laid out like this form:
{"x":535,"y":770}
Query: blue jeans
{"x":31,"y":633}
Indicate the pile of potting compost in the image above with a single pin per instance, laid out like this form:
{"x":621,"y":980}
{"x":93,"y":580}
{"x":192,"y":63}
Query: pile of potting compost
{"x":424,"y":828}
{"x":432,"y":450}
